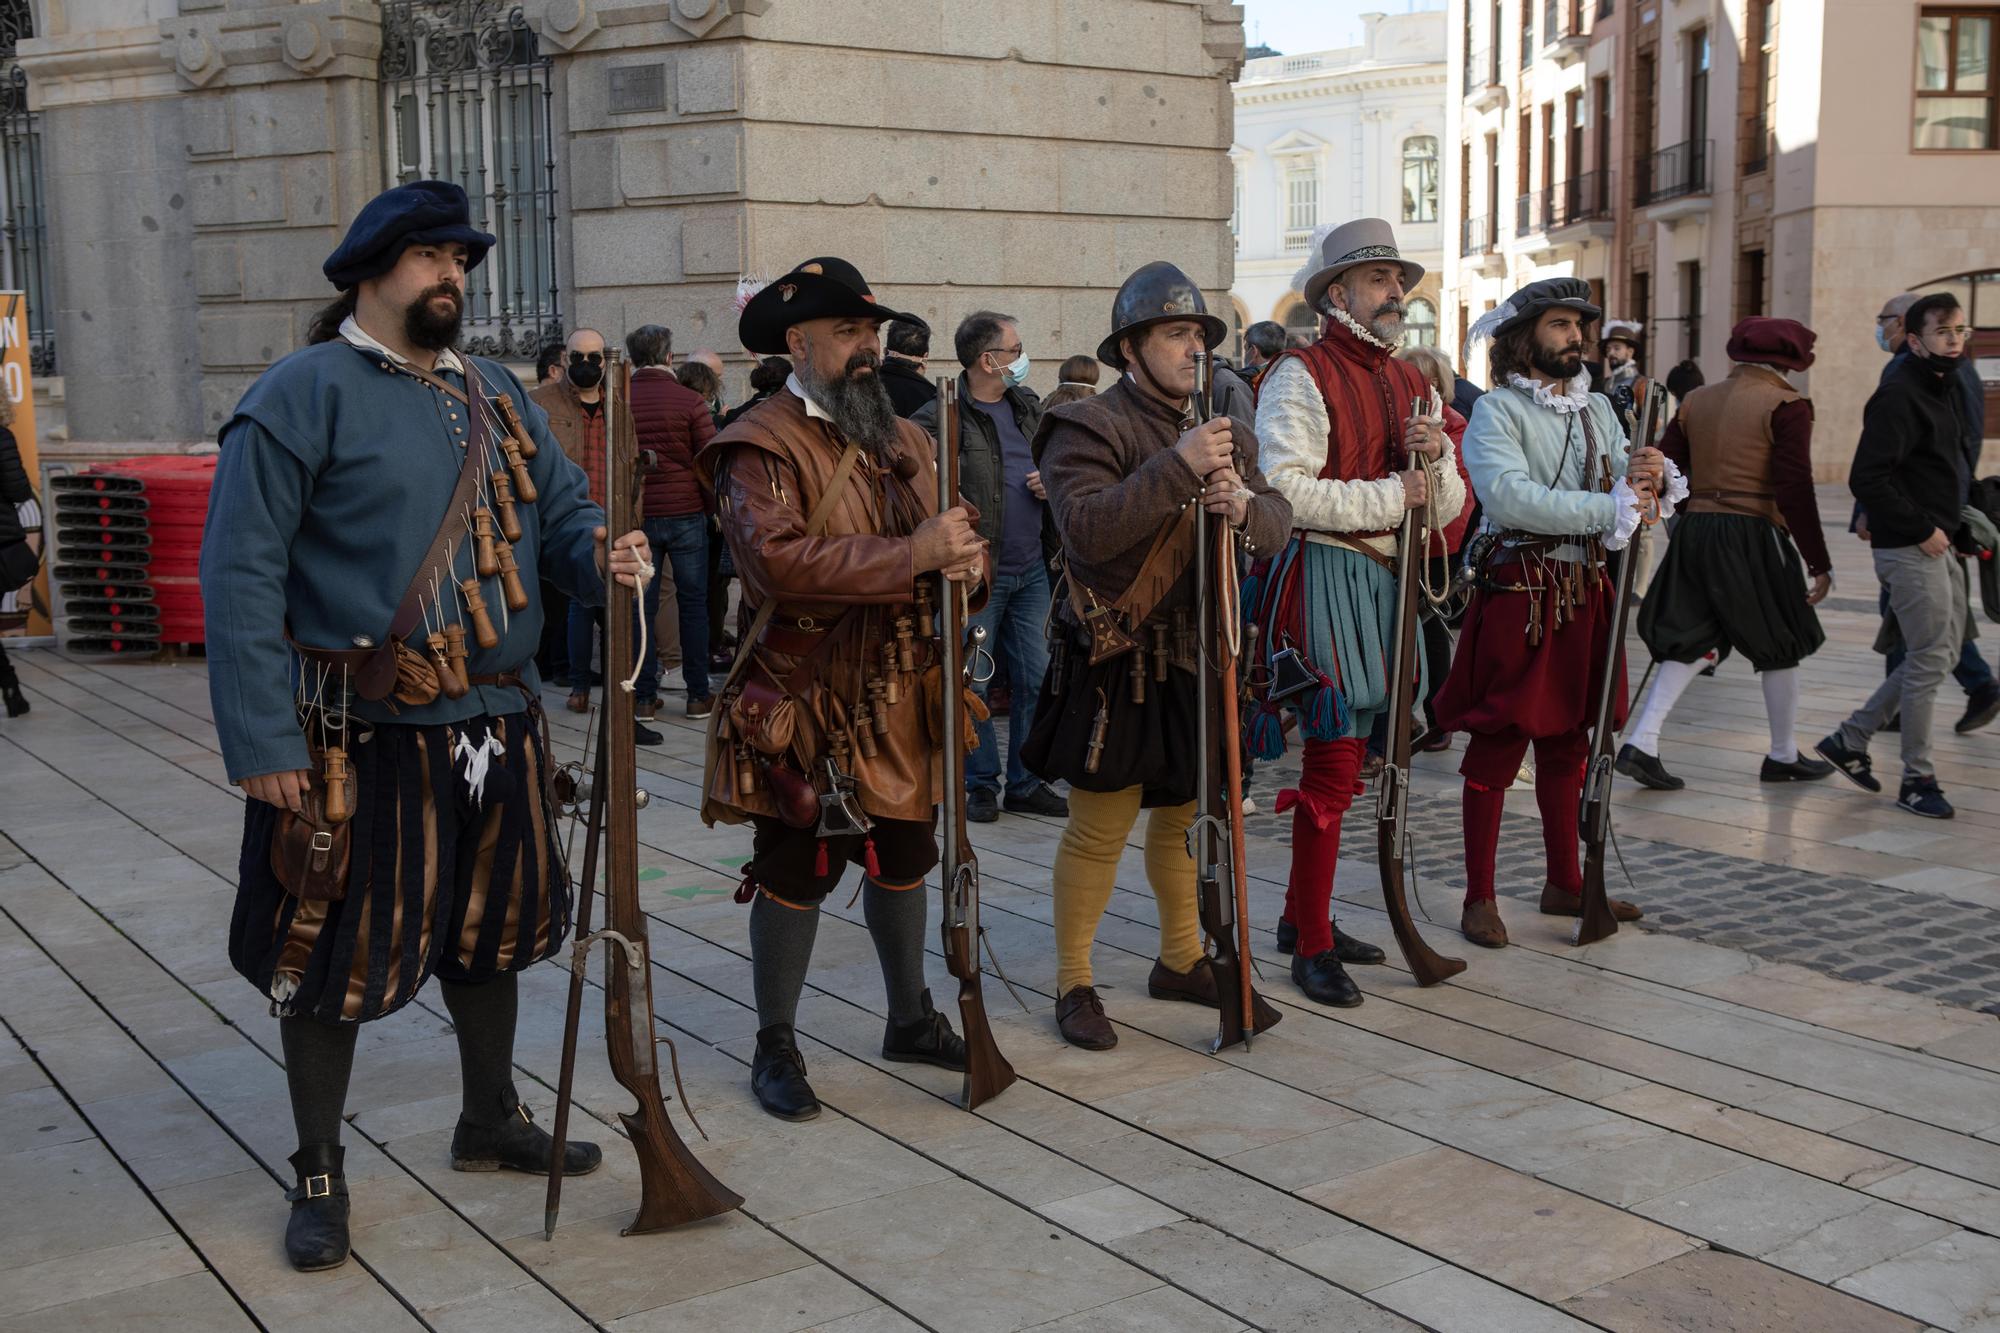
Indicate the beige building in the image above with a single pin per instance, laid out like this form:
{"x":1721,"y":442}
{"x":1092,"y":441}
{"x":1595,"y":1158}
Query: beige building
{"x":1702,"y":160}
{"x":177,"y":169}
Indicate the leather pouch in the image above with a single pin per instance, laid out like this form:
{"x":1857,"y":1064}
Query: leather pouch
{"x":793,"y":795}
{"x":310,"y":856}
{"x":761,"y":713}
{"x":972,"y":711}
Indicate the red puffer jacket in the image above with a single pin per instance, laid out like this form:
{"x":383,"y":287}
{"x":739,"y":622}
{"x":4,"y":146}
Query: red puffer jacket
{"x":673,"y":421}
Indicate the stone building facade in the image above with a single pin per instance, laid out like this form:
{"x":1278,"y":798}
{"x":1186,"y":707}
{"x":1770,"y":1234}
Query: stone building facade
{"x":1702,"y":160}
{"x":636,"y":157}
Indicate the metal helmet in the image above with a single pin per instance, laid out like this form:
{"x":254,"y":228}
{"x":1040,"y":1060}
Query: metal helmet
{"x":1154,"y":294}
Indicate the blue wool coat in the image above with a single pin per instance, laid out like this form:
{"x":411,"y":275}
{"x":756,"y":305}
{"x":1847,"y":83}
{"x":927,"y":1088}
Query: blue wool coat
{"x":334,"y":476}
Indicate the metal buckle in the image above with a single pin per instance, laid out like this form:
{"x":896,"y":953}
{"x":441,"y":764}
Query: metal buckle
{"x":807,"y":625}
{"x":319,"y":1187}
{"x":322,"y":841}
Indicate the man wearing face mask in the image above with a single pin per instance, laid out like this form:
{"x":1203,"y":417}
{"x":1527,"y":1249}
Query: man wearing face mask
{"x":575,"y":404}
{"x":998,"y":414}
{"x":1973,"y":674}
{"x":1913,"y":472}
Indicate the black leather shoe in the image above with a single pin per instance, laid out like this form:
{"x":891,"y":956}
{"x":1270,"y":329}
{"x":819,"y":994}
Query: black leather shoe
{"x":1288,"y":936}
{"x":1981,"y":707}
{"x":928,"y":1041}
{"x":1800,"y":769}
{"x":518,"y":1144}
{"x":982,"y":806}
{"x":1646,"y":770}
{"x":316,"y":1233}
{"x":17,"y":702}
{"x":1325,"y":980}
{"x":778,"y":1075}
{"x":1043,"y":800}
{"x":1355,"y":952}
{"x":645,"y":735}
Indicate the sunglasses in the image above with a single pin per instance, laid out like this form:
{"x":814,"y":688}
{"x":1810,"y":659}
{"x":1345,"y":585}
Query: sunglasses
{"x":580,"y":358}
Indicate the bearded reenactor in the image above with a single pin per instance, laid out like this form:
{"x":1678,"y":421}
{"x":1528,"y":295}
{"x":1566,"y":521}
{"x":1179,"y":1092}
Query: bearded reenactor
{"x":1341,"y":444}
{"x":1549,"y":463}
{"x":825,"y":737}
{"x":384,"y":510}
{"x":1733,"y":578}
{"x":1128,"y":473}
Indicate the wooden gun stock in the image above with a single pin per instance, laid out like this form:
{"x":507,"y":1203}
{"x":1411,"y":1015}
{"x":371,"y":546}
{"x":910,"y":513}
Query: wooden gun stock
{"x":987,"y":1073}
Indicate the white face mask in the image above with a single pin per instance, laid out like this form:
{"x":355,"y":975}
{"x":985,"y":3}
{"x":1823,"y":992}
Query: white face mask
{"x":1882,"y":337}
{"x":1015,"y":372}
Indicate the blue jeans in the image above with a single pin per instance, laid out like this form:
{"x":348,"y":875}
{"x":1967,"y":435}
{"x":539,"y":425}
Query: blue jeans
{"x":1016,"y":607}
{"x":583,"y":623}
{"x":682,"y":544}
{"x":1972,"y":673}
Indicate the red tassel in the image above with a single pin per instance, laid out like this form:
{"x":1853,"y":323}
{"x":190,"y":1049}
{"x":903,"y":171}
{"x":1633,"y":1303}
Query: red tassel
{"x":868,"y":861}
{"x":819,"y":860}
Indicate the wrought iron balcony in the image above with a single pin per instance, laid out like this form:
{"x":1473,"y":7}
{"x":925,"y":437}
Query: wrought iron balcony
{"x":1527,"y":214}
{"x":1580,"y":199}
{"x":1475,"y":235}
{"x":1674,"y":173}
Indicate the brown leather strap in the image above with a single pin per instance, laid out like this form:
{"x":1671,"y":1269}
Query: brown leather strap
{"x":1732,"y":495}
{"x":1352,"y":541}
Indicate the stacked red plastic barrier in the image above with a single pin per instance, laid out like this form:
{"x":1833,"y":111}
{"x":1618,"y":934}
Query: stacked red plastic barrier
{"x":128,"y":553}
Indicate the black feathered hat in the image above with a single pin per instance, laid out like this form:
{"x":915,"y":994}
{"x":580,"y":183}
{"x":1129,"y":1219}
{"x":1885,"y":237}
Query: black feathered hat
{"x":823,"y":288}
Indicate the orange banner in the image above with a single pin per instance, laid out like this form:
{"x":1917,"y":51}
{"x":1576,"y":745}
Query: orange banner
{"x":17,"y":382}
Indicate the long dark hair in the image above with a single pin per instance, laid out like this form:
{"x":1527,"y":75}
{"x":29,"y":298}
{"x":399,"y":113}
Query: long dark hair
{"x":326,"y":321}
{"x":1513,"y":353}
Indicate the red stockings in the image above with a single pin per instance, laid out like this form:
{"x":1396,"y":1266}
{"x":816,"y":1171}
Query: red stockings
{"x":1325,"y":791}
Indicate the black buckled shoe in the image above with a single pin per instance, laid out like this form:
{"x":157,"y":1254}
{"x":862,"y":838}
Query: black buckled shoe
{"x":778,"y":1075}
{"x":1801,"y":769}
{"x":316,"y":1233}
{"x":1355,"y":952}
{"x":518,"y":1144}
{"x":1646,"y":769}
{"x":1325,"y":980}
{"x":928,"y":1041}
{"x":1288,"y":936}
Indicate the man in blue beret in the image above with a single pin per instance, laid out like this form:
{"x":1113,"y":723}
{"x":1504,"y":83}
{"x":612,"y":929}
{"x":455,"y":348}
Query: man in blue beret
{"x":384,"y":511}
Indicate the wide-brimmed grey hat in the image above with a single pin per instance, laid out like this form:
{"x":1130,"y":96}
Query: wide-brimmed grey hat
{"x":1362,"y":241}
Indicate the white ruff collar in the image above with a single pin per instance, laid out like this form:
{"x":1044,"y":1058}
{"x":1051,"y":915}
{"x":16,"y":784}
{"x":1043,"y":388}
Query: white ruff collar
{"x":1573,"y":399}
{"x":1355,"y":327}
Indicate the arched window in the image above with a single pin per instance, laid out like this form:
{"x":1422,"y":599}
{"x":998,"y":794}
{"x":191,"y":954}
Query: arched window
{"x":1300,"y":319}
{"x":1420,"y":178}
{"x":1420,"y":326}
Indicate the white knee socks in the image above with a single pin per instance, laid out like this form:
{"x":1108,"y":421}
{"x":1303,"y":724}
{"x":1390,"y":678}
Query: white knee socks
{"x":1781,"y":704}
{"x":1669,"y":679}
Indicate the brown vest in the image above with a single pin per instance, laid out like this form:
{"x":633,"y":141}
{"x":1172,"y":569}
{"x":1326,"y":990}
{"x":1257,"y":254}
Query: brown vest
{"x":1728,"y":428}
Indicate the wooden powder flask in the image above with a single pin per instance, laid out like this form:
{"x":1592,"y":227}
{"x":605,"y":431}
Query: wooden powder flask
{"x":483,"y":632}
{"x":511,"y":586}
{"x":906,"y":647}
{"x":1159,"y":651}
{"x":926,"y":615}
{"x":503,"y":500}
{"x":454,"y":639}
{"x":892,"y":688}
{"x":338,"y":809}
{"x":484,"y":558}
{"x":512,"y":419}
{"x":1136,"y":673}
{"x":451,"y":676}
{"x":878,"y":706}
{"x":1094,"y":752}
{"x":524,"y":485}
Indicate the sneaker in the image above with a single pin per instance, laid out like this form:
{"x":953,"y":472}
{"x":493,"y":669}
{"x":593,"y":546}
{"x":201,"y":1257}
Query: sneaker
{"x":1646,"y":769}
{"x":1854,"y":765}
{"x":1525,"y":779}
{"x":1249,"y":806}
{"x":699,"y":708}
{"x":1800,"y":769}
{"x":982,"y":807}
{"x":1920,"y":796}
{"x":1041,"y":801}
{"x":672,"y":679}
{"x":645,"y":735}
{"x":1981,"y":708}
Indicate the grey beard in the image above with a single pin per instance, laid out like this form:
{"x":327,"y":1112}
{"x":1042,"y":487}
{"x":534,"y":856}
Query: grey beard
{"x":861,"y":410}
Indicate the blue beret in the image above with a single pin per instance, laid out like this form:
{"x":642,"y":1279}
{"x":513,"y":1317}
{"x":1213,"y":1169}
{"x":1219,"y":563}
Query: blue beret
{"x":419,"y":213}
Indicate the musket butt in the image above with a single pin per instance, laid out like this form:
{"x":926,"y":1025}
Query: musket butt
{"x":549,"y":1224}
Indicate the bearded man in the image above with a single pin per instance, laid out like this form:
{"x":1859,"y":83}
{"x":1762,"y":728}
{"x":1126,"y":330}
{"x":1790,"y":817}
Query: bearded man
{"x":1558,"y":487}
{"x":1125,"y":470}
{"x":828,"y":501}
{"x":340,"y":541}
{"x":1340,"y":443}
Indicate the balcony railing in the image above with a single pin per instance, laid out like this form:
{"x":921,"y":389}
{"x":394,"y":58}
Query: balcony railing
{"x":1585,"y":198}
{"x":1674,"y":173}
{"x":1476,"y":235}
{"x":1527,"y":219}
{"x":1757,"y":147}
{"x":1298,"y":240}
{"x":1479,"y":71}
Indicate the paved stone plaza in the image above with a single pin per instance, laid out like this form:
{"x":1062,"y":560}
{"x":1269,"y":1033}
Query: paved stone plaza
{"x":1777,"y":1107}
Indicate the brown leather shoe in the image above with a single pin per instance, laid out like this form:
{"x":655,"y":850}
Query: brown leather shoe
{"x":646,"y":711}
{"x":1481,"y":924}
{"x":699,"y":708}
{"x":1196,"y":985}
{"x":1557,"y":903}
{"x":1080,"y":1018}
{"x":579,"y":702}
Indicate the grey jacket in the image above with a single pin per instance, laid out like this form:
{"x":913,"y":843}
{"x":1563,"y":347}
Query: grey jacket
{"x":982,"y":472}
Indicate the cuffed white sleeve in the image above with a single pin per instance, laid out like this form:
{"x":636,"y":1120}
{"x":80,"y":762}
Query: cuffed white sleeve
{"x":1630,"y":508}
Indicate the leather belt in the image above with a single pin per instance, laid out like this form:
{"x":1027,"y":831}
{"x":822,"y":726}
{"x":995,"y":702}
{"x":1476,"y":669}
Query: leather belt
{"x":793,"y":640}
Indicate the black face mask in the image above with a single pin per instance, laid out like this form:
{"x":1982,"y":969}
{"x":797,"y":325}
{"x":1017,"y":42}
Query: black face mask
{"x":585,"y":374}
{"x":1943,"y":365}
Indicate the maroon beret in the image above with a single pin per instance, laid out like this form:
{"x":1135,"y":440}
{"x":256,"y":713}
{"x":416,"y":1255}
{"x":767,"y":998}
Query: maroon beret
{"x":1784,"y":343}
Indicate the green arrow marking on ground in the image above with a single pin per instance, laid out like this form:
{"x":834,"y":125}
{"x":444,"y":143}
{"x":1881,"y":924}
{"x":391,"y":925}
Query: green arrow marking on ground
{"x":691,"y":892}
{"x":652,"y":872}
